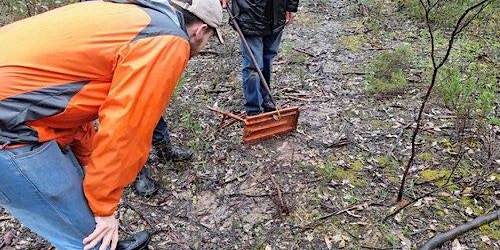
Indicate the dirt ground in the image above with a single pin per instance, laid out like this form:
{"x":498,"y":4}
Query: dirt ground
{"x":337,"y":176}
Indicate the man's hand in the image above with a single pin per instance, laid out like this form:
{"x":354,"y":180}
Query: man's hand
{"x":224,"y":3}
{"x":290,"y":16}
{"x":106,"y":230}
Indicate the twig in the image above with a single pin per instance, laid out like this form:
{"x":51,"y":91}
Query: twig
{"x":379,"y":248}
{"x":208,"y":52}
{"x":457,"y":231}
{"x":304,"y":52}
{"x":282,"y":203}
{"x":260,"y":195}
{"x":327,"y":216}
{"x":460,"y":154}
{"x":354,"y":73}
{"x":225,"y":113}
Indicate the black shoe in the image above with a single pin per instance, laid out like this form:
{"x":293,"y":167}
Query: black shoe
{"x":137,"y":241}
{"x":166,"y":151}
{"x":253,"y":113}
{"x":144,"y":185}
{"x":268,"y":106}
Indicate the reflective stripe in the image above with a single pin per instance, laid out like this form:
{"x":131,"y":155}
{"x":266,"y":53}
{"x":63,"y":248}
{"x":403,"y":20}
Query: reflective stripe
{"x":18,"y":109}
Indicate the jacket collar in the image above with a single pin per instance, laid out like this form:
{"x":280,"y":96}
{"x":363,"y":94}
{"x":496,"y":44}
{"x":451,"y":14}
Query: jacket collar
{"x":162,"y":6}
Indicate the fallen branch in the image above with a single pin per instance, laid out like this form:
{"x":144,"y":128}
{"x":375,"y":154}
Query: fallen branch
{"x":281,"y":202}
{"x":457,"y":231}
{"x":360,"y":206}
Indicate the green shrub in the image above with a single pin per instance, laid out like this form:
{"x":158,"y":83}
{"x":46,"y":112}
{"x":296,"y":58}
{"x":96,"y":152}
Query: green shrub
{"x":387,"y":73}
{"x":471,"y":91}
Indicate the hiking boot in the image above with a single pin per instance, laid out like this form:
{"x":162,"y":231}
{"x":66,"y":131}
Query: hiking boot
{"x":137,"y":241}
{"x":268,"y":106}
{"x":166,"y":151}
{"x":144,"y":185}
{"x":252,"y":113}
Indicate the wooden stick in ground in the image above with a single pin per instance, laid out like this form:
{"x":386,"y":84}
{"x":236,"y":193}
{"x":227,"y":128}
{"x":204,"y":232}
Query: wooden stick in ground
{"x":455,"y":232}
{"x":227,"y":114}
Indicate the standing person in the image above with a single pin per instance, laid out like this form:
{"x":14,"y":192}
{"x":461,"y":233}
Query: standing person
{"x":262,"y":23}
{"x":117,"y":61}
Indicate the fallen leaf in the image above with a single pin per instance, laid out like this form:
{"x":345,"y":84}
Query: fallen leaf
{"x":309,"y":237}
{"x":328,"y":242}
{"x":405,"y":242}
{"x":342,"y":244}
{"x":469,"y":211}
{"x":418,"y":203}
{"x":455,"y":245}
{"x":398,"y":217}
{"x":485,"y":239}
{"x":467,"y":191}
{"x":337,"y":238}
{"x":268,"y":247}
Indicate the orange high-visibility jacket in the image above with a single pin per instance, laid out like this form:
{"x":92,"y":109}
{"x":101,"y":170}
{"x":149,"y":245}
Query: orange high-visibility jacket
{"x":116,"y":62}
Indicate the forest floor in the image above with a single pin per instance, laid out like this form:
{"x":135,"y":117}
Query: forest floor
{"x":337,"y":175}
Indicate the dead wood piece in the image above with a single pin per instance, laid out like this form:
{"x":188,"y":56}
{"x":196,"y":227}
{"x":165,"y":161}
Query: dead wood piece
{"x":227,"y":114}
{"x":457,"y":231}
{"x":282,"y":203}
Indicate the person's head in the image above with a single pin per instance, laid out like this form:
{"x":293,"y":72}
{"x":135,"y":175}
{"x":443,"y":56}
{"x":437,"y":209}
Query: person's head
{"x":202,"y":19}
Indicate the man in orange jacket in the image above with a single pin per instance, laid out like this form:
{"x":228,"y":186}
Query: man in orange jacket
{"x":117,"y":61}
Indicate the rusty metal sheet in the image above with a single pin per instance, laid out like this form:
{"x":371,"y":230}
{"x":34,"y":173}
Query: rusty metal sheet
{"x":264,"y":126}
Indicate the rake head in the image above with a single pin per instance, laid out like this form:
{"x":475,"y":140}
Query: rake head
{"x":264,"y":126}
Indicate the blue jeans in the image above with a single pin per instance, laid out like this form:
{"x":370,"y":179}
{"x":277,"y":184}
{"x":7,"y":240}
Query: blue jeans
{"x":265,"y":48}
{"x":161,"y":132}
{"x":41,"y":186}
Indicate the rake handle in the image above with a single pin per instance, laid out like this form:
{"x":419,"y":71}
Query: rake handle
{"x":252,"y":56}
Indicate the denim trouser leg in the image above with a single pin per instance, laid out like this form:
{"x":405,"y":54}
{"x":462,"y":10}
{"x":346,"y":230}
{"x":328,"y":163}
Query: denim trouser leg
{"x":271,"y":46}
{"x":251,"y":79}
{"x":42,"y":188}
{"x":265,"y":49}
{"x":161,"y":132}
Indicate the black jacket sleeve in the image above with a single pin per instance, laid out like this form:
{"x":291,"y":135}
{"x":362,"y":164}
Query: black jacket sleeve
{"x":291,"y":5}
